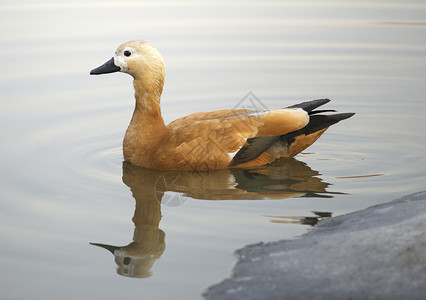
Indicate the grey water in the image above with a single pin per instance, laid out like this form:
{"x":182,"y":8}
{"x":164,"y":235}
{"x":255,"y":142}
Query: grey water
{"x":78,"y":223}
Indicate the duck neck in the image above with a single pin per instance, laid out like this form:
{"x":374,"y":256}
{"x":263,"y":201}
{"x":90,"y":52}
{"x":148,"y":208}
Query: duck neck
{"x":147,"y":99}
{"x":147,"y":125}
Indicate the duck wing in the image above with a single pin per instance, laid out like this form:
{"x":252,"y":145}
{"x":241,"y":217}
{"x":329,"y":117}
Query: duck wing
{"x":210,"y":140}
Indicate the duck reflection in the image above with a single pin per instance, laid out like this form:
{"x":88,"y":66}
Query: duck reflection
{"x":310,"y":220}
{"x":153,"y":188}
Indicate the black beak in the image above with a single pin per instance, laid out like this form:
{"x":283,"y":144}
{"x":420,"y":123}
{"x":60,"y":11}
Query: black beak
{"x":108,"y":67}
{"x":108,"y":247}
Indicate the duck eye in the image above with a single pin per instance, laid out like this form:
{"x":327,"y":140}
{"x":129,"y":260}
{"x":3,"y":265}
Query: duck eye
{"x":127,"y":53}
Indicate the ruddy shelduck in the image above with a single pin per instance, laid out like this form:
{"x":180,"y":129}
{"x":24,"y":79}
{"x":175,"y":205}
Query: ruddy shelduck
{"x":230,"y":138}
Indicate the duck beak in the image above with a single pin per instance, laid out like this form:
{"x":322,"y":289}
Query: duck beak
{"x":108,"y":247}
{"x":108,"y":67}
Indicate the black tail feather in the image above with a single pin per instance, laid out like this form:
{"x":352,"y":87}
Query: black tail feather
{"x":318,"y":122}
{"x":309,"y":106}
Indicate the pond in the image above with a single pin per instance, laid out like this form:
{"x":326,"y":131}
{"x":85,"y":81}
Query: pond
{"x":68,"y":201}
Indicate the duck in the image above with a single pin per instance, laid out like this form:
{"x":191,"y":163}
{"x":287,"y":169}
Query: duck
{"x":221,"y":139}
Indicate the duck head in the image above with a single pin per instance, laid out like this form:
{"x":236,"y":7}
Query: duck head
{"x":139,"y":59}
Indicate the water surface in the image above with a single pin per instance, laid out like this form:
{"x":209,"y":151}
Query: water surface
{"x":63,"y":181}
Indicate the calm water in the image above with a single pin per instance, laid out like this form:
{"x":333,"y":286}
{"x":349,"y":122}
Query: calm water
{"x":63,"y":182}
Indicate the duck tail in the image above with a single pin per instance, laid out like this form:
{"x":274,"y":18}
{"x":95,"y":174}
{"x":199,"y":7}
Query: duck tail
{"x":318,"y":122}
{"x":293,"y":142}
{"x":299,"y":140}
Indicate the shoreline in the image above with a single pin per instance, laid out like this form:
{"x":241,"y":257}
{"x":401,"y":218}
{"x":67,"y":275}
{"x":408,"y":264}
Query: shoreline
{"x":375,"y":253}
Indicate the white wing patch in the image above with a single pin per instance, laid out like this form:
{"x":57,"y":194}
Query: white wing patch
{"x":231,"y":155}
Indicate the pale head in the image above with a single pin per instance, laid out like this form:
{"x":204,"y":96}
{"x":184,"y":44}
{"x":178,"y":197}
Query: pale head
{"x":139,"y":59}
